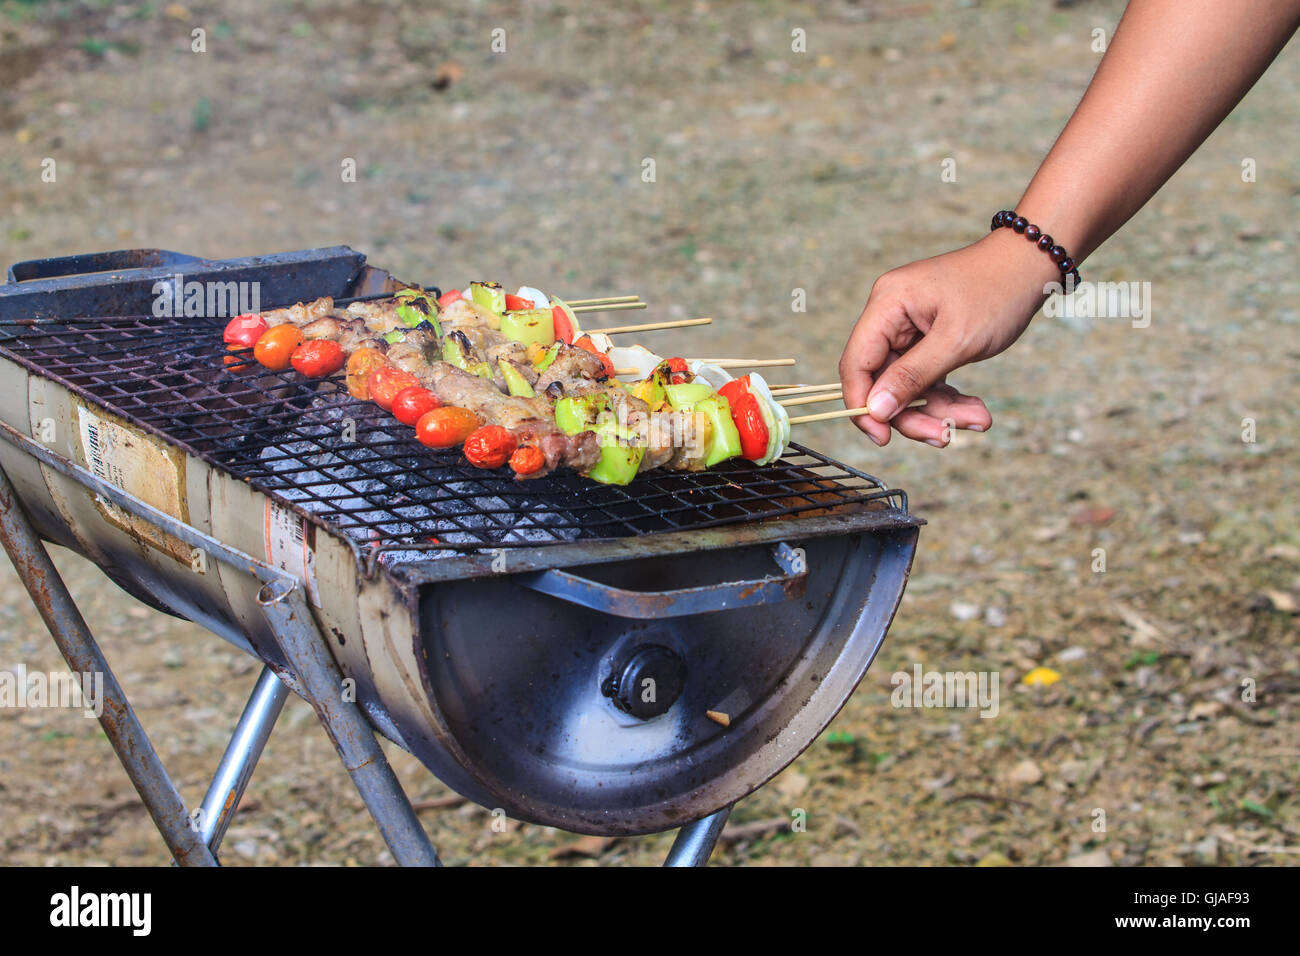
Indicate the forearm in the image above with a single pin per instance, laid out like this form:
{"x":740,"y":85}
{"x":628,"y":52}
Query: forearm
{"x":1174,"y":69}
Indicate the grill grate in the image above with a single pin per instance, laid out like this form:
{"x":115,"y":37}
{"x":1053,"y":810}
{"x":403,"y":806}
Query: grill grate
{"x":293,"y":438}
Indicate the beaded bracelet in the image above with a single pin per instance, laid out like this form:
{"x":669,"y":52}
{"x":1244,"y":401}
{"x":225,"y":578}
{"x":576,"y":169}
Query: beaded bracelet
{"x":1022,"y":226}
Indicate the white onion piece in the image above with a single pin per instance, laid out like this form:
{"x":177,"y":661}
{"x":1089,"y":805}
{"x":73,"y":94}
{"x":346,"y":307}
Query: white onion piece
{"x":634,"y":356}
{"x":536,"y":296}
{"x":710,"y":374}
{"x":603,"y":343}
{"x":774,"y":415}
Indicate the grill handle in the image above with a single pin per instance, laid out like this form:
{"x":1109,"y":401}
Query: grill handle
{"x":86,"y":263}
{"x":726,"y":596}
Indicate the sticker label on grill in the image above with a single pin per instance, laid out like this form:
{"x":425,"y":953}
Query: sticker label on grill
{"x":291,"y":545}
{"x":140,"y":465}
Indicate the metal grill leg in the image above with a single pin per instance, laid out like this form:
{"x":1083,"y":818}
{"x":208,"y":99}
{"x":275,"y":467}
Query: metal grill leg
{"x":695,"y":841}
{"x":82,"y":653}
{"x":353,"y":738}
{"x":241,"y":756}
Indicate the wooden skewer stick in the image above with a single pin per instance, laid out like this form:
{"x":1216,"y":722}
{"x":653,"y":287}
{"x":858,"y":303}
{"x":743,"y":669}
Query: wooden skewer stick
{"x":744,"y":363}
{"x":785,"y":390}
{"x":605,"y":300}
{"x":615,"y":307}
{"x":811,"y":399}
{"x":627,"y":371}
{"x":843,"y":413}
{"x":652,"y":326}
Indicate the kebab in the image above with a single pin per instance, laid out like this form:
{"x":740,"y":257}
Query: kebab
{"x":448,"y":366}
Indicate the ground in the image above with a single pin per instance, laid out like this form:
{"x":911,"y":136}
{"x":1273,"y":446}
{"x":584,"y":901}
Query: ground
{"x":1172,"y":448}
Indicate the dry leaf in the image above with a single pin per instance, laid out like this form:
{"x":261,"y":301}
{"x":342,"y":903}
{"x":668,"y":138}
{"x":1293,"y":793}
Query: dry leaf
{"x":587,"y":846}
{"x":718,"y":717}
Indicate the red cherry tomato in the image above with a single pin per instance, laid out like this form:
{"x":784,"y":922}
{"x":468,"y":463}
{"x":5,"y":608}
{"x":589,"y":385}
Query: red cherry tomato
{"x":243,"y":331}
{"x":384,"y":383}
{"x":490,"y":447}
{"x":317,"y":358}
{"x":734,"y":389}
{"x":678,"y":373}
{"x":514,"y":303}
{"x":410,"y":404}
{"x":445,"y":427}
{"x":447,"y":298}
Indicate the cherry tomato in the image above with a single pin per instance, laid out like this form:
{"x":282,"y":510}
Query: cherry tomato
{"x":238,"y":355}
{"x":514,"y":303}
{"x":410,"y":404}
{"x":527,"y":460}
{"x":445,"y":427}
{"x":563,"y":327}
{"x":244,"y":330}
{"x":318,"y":358}
{"x":385,"y":382}
{"x":447,"y":298}
{"x":361,"y":364}
{"x":749,"y":422}
{"x":490,"y":447}
{"x":275,"y":349}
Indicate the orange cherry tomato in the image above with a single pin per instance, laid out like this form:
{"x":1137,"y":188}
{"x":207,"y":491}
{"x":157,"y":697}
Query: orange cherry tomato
{"x":384,"y":384}
{"x":445,"y":427}
{"x":318,"y":358}
{"x":275,"y":348}
{"x":411,"y":404}
{"x":527,"y":460}
{"x":361,"y":364}
{"x":490,"y":447}
{"x":238,"y":355}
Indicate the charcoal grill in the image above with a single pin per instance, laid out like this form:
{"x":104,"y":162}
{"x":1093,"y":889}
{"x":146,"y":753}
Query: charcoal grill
{"x":503,"y":632}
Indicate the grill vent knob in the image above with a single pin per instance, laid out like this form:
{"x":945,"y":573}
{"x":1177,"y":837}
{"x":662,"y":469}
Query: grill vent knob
{"x":647,"y":682}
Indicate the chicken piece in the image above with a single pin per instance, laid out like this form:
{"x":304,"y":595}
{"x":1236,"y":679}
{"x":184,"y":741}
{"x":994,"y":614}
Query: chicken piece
{"x":572,"y":368}
{"x":300,"y":314}
{"x":464,"y":314}
{"x":690,"y":441}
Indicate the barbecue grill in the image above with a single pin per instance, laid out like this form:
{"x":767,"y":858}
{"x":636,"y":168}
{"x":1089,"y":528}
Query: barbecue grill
{"x":557,"y":649}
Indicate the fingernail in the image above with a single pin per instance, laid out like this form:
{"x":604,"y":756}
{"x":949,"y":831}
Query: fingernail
{"x":976,"y":428}
{"x":876,"y":440}
{"x":935,"y":442}
{"x":882,"y":406}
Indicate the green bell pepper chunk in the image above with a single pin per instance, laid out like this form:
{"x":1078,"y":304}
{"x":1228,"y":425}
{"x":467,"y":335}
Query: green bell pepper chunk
{"x":529,"y":326}
{"x":575,"y":414}
{"x":453,"y":354}
{"x":395,"y":336}
{"x":724,"y":441}
{"x":685,"y":396}
{"x":516,"y":384}
{"x":412,"y":314}
{"x":549,"y":358}
{"x":620,"y":454}
{"x":489,"y":295}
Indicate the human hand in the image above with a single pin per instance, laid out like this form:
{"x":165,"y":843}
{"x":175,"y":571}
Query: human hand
{"x":930,"y":317}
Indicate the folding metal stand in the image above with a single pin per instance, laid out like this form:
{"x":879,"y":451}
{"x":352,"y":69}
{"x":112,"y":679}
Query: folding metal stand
{"x":194,"y":839}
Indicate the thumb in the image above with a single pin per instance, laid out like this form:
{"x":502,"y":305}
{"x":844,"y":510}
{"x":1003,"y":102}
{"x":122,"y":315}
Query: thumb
{"x":920,"y":367}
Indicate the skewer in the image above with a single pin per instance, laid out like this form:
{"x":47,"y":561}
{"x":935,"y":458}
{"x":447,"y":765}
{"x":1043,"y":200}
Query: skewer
{"x":616,"y":307}
{"x":745,"y":363}
{"x":605,"y":300}
{"x":652,"y":326}
{"x":801,"y":389}
{"x":812,"y":399}
{"x":843,"y":413}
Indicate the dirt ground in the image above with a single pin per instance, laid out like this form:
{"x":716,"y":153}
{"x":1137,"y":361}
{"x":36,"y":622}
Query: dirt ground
{"x":775,"y":170}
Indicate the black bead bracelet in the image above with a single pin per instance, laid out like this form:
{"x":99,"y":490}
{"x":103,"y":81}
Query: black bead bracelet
{"x":1022,"y":226}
